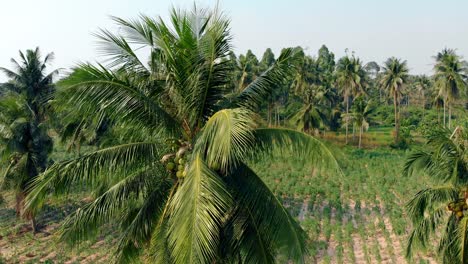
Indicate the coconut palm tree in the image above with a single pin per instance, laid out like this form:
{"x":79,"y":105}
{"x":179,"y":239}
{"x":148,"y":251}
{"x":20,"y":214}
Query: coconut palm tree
{"x":423,"y":86}
{"x":23,"y":113}
{"x":305,"y":74}
{"x":312,"y":115}
{"x":394,"y":77}
{"x":360,"y":115}
{"x":441,"y":211}
{"x":181,"y":186}
{"x":351,"y":78}
{"x":449,"y":78}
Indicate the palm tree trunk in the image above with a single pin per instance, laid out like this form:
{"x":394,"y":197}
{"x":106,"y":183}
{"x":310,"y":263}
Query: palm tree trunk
{"x":445,"y":102}
{"x":424,"y":106}
{"x":19,"y":204}
{"x":449,"y":115}
{"x":269,"y":115}
{"x":347,"y":113}
{"x":360,"y":136}
{"x":397,"y":119}
{"x":277,"y":116}
{"x":33,"y":224}
{"x":438,"y":116}
{"x":240,"y":87}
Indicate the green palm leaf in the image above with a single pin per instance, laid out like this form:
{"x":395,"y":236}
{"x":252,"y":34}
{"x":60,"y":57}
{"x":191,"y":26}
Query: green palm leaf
{"x":226,"y":138}
{"x":91,"y":169}
{"x":275,"y":76}
{"x":424,"y":229}
{"x":462,"y":235}
{"x":429,"y":198}
{"x":270,"y":226}
{"x":95,"y":89}
{"x":139,"y":229}
{"x":83,"y":223}
{"x":198,"y":208}
{"x":271,"y":140}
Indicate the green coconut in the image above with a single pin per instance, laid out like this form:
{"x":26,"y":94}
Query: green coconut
{"x":215,"y":166}
{"x":170,"y":166}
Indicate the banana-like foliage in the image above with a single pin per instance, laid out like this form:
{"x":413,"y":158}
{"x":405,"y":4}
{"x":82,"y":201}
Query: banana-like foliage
{"x":441,"y":209}
{"x":182,"y":194}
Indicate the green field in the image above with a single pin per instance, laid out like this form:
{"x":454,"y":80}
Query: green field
{"x":355,"y":218}
{"x":358,"y":217}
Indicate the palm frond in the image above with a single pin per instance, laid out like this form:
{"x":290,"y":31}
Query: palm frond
{"x":417,"y":161}
{"x":275,"y":76}
{"x":269,"y":140}
{"x":462,"y":240}
{"x":214,"y":46}
{"x":198,"y":208}
{"x":226,"y":138}
{"x":85,"y":221}
{"x":159,"y":251}
{"x":96,"y":89}
{"x":137,"y":233}
{"x":270,"y":227}
{"x":91,"y":169}
{"x":447,"y":247}
{"x":252,"y":240}
{"x":424,"y":229}
{"x":119,"y":53}
{"x":429,"y":198}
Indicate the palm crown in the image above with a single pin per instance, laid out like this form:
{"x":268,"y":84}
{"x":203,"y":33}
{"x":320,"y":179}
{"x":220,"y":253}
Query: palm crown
{"x":180,"y":186}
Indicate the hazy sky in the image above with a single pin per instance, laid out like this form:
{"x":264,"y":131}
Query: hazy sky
{"x":375,"y":29}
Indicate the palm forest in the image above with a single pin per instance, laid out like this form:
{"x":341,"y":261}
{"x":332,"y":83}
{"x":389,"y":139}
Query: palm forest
{"x":172,"y":148}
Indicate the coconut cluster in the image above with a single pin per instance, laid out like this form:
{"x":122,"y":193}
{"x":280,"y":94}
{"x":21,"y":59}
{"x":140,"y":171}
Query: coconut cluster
{"x":175,"y":161}
{"x":177,"y":166}
{"x":457,"y":207}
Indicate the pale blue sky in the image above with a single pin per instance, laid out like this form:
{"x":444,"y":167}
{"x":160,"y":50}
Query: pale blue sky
{"x":411,"y":29}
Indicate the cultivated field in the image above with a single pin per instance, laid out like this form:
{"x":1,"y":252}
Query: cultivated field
{"x":355,"y":218}
{"x":358,"y":218}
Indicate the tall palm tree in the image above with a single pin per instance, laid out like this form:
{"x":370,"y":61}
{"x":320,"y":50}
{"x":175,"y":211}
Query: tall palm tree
{"x":394,"y":77}
{"x":23,"y":113}
{"x":351,"y":78}
{"x":450,"y":78}
{"x":441,"y":210}
{"x":181,"y":186}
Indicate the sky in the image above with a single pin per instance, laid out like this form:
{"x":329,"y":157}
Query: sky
{"x":414,"y":30}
